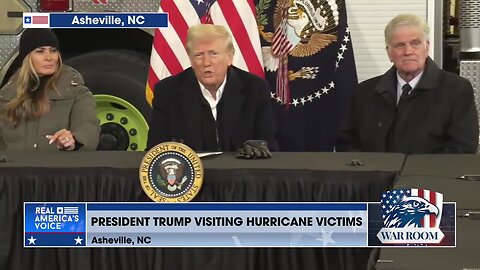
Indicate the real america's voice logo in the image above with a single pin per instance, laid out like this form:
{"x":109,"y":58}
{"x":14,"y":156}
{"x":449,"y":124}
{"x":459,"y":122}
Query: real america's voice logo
{"x":411,"y":216}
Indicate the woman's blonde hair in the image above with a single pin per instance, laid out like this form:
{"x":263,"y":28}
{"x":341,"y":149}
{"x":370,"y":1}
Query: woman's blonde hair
{"x":31,"y":100}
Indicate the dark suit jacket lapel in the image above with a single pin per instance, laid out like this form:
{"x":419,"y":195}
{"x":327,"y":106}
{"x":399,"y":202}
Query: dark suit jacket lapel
{"x":430,"y":77}
{"x":387,"y":87}
{"x":231,"y":105}
{"x":191,"y":107}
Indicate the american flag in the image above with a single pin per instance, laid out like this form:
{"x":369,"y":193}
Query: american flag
{"x":319,"y":80}
{"x":169,"y":56}
{"x":72,"y":210}
{"x":281,"y":44}
{"x":392,"y":197}
{"x":280,"y":47}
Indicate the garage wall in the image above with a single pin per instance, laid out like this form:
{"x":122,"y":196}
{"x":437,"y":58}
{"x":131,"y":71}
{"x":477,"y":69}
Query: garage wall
{"x":367,"y":20}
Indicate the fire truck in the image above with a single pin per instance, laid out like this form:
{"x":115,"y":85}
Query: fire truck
{"x":115,"y":62}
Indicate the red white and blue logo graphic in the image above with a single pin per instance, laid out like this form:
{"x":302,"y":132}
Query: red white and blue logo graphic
{"x":411,"y":216}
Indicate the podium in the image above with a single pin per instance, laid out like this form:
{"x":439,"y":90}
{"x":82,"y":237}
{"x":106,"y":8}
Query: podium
{"x":441,"y":173}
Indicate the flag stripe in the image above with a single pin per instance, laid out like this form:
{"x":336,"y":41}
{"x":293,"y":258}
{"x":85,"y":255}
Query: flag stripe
{"x":176,"y":19}
{"x":189,"y":13}
{"x":252,"y":7}
{"x":152,"y":77}
{"x":239,"y":33}
{"x":165,"y":51}
{"x":433,"y":200}
{"x":280,"y":47}
{"x":220,"y":19}
{"x":250,"y":20}
{"x":426,"y":218}
{"x":40,"y":19}
{"x":157,"y":62}
{"x":420,"y":194}
{"x":281,"y":44}
{"x":175,"y":34}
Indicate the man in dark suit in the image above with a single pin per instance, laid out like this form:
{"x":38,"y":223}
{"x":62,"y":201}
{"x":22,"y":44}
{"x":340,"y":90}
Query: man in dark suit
{"x":415,"y":107}
{"x":212,"y":106}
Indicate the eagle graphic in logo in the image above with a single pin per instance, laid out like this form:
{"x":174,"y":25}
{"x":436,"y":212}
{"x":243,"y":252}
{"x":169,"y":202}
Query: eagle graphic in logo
{"x":171,"y":169}
{"x":411,"y":216}
{"x":411,"y":208}
{"x":409,"y":212}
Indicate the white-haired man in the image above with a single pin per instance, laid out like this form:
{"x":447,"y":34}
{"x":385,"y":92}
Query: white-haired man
{"x":415,"y":107}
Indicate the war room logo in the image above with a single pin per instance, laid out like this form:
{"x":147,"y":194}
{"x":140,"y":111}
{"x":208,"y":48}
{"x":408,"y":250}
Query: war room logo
{"x":411,"y":216}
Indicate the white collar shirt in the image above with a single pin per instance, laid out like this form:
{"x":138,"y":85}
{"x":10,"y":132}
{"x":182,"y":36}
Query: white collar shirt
{"x":401,"y":82}
{"x":213,"y":101}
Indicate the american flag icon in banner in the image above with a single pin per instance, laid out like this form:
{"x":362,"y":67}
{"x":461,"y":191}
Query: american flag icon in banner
{"x":36,"y":20}
{"x":70,"y":210}
{"x":417,"y":208}
{"x":67,"y":210}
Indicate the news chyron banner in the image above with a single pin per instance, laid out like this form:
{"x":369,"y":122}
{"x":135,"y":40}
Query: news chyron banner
{"x":95,"y":20}
{"x":403,"y":218}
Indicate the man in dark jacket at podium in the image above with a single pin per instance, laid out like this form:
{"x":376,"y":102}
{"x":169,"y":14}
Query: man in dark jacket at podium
{"x":212,"y":106}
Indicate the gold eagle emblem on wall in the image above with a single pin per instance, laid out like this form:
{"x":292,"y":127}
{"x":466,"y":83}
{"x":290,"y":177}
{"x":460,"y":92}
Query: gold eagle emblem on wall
{"x":311,"y":24}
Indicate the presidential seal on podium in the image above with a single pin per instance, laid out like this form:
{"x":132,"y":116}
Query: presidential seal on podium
{"x":171,"y":172}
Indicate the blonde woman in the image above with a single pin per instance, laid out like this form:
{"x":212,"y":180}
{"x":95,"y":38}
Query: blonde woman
{"x":45,"y":106}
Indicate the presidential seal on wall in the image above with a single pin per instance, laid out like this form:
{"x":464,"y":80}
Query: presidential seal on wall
{"x":171,"y":172}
